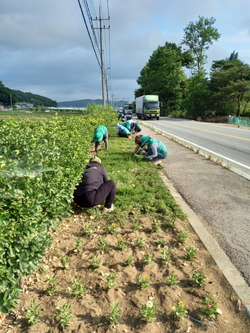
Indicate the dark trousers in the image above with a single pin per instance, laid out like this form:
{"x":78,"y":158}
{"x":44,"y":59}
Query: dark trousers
{"x":95,"y":197}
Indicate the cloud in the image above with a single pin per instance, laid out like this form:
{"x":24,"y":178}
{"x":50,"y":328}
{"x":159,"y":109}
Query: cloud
{"x":45,"y":47}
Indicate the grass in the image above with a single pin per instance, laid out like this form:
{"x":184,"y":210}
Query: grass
{"x":139,"y":186}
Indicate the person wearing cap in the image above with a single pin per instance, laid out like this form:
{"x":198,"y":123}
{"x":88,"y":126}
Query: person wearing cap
{"x":135,"y":127}
{"x":100,"y":134}
{"x":95,"y":187}
{"x":155,"y":149}
{"x":123,"y":131}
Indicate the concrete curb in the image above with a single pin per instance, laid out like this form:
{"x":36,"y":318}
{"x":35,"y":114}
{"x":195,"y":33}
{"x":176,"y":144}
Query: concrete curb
{"x":229,"y":271}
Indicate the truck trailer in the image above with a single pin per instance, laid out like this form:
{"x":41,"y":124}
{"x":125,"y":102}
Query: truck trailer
{"x":148,"y":106}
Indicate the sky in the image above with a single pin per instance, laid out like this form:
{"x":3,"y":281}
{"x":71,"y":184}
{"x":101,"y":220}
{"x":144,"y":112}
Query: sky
{"x":45,"y":47}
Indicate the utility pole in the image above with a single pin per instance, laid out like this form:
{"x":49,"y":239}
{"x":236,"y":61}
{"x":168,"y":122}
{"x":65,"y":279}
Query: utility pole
{"x":103,"y":74}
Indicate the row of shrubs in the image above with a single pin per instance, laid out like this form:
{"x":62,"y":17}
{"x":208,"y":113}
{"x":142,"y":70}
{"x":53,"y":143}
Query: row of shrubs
{"x":41,"y":162}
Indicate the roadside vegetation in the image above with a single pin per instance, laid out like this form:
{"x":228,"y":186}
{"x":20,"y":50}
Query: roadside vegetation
{"x":140,"y":268}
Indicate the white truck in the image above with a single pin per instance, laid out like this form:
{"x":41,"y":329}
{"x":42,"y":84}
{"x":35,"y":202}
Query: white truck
{"x":148,"y":106}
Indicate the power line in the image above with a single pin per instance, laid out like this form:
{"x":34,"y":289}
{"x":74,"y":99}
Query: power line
{"x":89,"y":33}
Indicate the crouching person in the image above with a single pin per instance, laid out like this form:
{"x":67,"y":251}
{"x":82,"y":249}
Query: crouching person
{"x":155,"y":149}
{"x":95,"y":187}
{"x":123,"y":131}
{"x":100,"y":134}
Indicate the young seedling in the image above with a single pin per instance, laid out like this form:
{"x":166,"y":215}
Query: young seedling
{"x":78,"y":288}
{"x":148,"y":311}
{"x":52,"y":286}
{"x":144,"y":282}
{"x":148,"y":258}
{"x":63,"y":315}
{"x":88,"y":229}
{"x":102,"y":244}
{"x":141,"y":243}
{"x":121,"y":244}
{"x":191,"y":253}
{"x":210,"y":307}
{"x":78,"y":245}
{"x":112,"y":229}
{"x":156,"y":226}
{"x":199,"y":278}
{"x":136,"y":226}
{"x":32,"y":313}
{"x":129,"y":261}
{"x":179,"y":311}
{"x":172,"y":280}
{"x":182,"y":236}
{"x":96,"y":262}
{"x":65,"y":262}
{"x":161,"y":243}
{"x":171,"y":223}
{"x":112,"y":318}
{"x":165,"y":255}
{"x":110,"y":280}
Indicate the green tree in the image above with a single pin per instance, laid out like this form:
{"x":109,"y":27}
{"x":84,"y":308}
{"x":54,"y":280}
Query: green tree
{"x":230,"y":86}
{"x":198,"y":37}
{"x":197,"y":102}
{"x":163,"y":76}
{"x":7,"y":96}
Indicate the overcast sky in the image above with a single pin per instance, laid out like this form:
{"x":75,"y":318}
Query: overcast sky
{"x":45,"y":48}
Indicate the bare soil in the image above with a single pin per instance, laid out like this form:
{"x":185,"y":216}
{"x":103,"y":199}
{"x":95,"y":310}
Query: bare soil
{"x":91,"y":310}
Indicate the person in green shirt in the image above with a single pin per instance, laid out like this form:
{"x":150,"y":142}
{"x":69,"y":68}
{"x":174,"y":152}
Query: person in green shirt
{"x":155,"y":149}
{"x":100,"y":134}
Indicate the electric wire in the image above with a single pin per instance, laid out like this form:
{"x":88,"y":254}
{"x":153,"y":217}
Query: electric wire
{"x":89,"y":33}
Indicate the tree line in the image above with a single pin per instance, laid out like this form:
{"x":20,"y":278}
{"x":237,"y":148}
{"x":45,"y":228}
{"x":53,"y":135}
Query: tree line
{"x":10,"y":97}
{"x":224,"y":91}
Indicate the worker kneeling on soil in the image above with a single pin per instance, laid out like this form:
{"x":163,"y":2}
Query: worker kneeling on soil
{"x":155,"y":149}
{"x":95,"y":187}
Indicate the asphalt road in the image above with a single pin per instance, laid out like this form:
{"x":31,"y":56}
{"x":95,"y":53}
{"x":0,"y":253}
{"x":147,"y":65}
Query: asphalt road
{"x":218,"y":196}
{"x":228,"y":144}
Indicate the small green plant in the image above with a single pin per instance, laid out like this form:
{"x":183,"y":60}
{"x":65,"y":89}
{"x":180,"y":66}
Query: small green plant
{"x":110,"y":280}
{"x":121,"y":244}
{"x":112,"y":318}
{"x":96,"y":262}
{"x":112,"y":229}
{"x":78,"y":245}
{"x":32,"y":313}
{"x":78,"y":288}
{"x":148,"y":258}
{"x":165,"y":255}
{"x":136,"y":226}
{"x":102,"y":244}
{"x":156,"y":226}
{"x":52,"y":286}
{"x":191,"y":253}
{"x":144,"y":282}
{"x":179,"y":311}
{"x":129,"y":261}
{"x":199,"y":278}
{"x":171,"y":223}
{"x":210,"y":307}
{"x":65,"y":262}
{"x":148,"y":311}
{"x":88,"y":229}
{"x":172,"y":280}
{"x":161,"y":243}
{"x":141,"y":243}
{"x":182,"y":236}
{"x":63,"y":315}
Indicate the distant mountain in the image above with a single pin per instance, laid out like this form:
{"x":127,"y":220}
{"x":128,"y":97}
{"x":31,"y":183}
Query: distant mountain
{"x":81,"y":103}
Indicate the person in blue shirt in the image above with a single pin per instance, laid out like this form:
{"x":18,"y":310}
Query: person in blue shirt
{"x":123,"y":131}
